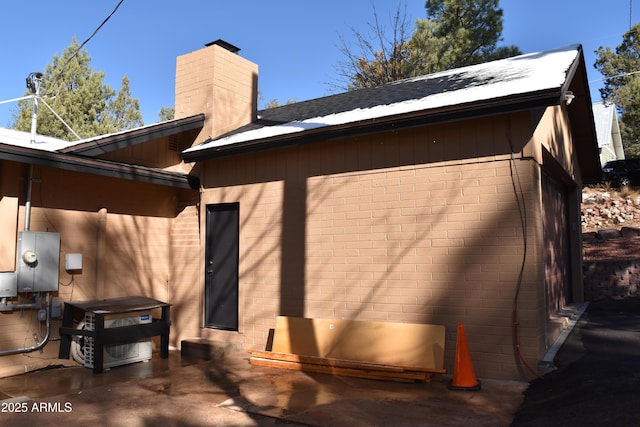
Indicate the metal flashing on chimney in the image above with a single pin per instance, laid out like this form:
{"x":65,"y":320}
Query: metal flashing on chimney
{"x":231,"y":48}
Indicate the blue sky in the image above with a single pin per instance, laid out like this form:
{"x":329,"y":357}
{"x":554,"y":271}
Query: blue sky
{"x":294,"y":43}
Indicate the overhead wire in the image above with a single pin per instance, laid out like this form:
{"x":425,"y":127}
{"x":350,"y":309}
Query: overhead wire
{"x":37,"y":97}
{"x":74,"y":54}
{"x":615,"y":77}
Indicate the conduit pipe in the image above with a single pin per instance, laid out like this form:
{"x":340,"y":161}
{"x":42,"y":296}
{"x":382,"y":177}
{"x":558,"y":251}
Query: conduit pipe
{"x":10,"y":307}
{"x":27,"y":203}
{"x":42,"y":343}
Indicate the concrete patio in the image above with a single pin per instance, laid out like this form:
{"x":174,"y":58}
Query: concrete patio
{"x":229,"y":391}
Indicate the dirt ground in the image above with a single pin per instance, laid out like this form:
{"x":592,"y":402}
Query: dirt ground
{"x":620,"y":248}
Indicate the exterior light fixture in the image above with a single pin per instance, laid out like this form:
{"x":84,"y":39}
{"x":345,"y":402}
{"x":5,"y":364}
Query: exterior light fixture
{"x":568,"y":97}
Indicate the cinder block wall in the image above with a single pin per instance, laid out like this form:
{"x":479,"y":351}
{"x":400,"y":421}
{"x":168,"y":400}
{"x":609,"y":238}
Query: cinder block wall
{"x":410,"y":226}
{"x":186,"y":273}
{"x":123,"y":232}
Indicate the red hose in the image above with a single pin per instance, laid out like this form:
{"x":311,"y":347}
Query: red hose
{"x":516,"y":338}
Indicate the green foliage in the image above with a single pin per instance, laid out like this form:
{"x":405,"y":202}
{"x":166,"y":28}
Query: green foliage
{"x":78,"y":95}
{"x":166,"y":113}
{"x":275,"y":103}
{"x":622,"y":86}
{"x":388,"y":65}
{"x":124,"y":111}
{"x":455,"y":33}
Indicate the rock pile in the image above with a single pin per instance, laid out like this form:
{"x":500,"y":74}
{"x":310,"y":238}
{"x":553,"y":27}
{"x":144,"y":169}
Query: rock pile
{"x":607,"y":208}
{"x":611,"y":243}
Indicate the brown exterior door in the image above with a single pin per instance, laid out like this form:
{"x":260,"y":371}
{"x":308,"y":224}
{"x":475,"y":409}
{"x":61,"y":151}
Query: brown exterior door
{"x":557,"y":251}
{"x":221,"y":267}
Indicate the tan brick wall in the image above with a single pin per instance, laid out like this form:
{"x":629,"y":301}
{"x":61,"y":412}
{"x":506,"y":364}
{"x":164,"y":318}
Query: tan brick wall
{"x":138,"y":255}
{"x":428,"y":244}
{"x":186,"y":290}
{"x":260,"y":259}
{"x":553,"y":135}
{"x":403,"y":227}
{"x":123,"y":230}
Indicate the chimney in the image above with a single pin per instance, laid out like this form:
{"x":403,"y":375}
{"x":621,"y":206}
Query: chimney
{"x":221,"y":84}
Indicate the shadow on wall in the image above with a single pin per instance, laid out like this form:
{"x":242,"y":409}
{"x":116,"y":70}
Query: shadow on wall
{"x":364,"y":258}
{"x":122,"y":229}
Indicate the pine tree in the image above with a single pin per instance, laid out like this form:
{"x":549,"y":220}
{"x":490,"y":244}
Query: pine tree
{"x":166,"y":113}
{"x":77,"y":93}
{"x":622,"y":85}
{"x":457,"y":33}
{"x":124,"y":110}
{"x":454,"y":34}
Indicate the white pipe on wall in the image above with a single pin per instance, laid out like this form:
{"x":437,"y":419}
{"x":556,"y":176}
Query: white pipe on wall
{"x":27,"y":203}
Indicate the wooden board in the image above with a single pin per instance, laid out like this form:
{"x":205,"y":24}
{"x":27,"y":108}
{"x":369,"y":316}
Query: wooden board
{"x":315,"y":360}
{"x":385,"y":343}
{"x":344,"y":371}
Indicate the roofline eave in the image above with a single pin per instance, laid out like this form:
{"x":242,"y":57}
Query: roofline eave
{"x":395,"y":122}
{"x":97,"y":167}
{"x":98,"y":146}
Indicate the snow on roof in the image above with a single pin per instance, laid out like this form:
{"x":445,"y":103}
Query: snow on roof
{"x":23,"y":139}
{"x":48,"y":143}
{"x":506,"y":77}
{"x":121,"y":132}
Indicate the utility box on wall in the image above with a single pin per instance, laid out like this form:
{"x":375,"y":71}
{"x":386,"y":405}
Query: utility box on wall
{"x":38,"y":261}
{"x":8,"y":284}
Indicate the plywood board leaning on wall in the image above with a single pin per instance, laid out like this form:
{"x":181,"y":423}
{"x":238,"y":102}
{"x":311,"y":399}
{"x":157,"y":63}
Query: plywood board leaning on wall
{"x":8,"y":232}
{"x":380,"y":350}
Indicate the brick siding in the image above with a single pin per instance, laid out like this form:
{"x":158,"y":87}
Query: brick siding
{"x":383,"y":240}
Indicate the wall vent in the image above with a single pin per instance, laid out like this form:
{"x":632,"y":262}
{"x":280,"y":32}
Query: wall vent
{"x":172,"y":144}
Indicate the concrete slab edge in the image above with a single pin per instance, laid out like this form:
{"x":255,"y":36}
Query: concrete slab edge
{"x":546,"y":363}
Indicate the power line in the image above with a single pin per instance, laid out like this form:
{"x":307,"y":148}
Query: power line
{"x":76,"y":52}
{"x":615,"y":77}
{"x":88,"y":39}
{"x":36,"y":95}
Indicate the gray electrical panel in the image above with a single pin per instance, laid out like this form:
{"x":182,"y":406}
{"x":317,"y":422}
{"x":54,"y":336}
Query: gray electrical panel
{"x":38,"y":261}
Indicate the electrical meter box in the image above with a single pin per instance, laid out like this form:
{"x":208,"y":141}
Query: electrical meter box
{"x":38,"y":261}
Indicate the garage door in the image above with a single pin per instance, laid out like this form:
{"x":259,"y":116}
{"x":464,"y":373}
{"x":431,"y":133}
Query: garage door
{"x":556,"y":237}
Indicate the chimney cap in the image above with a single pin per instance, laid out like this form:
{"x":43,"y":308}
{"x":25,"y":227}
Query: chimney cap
{"x":231,"y":48}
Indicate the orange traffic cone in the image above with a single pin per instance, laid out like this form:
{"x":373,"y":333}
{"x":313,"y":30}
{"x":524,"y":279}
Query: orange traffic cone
{"x":464,"y":377}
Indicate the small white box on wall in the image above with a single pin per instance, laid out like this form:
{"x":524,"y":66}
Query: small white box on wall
{"x":73,"y":262}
